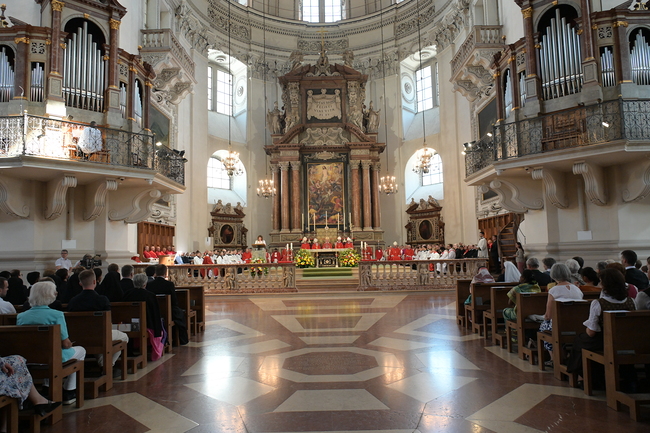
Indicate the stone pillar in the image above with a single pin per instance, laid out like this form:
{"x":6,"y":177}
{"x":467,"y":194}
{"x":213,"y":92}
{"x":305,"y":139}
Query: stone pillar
{"x":276,"y":199}
{"x":55,"y":81}
{"x":533,"y":84}
{"x":21,"y":67}
{"x":356,"y":195}
{"x":589,"y":65}
{"x":516,"y":92}
{"x":112,"y":99}
{"x":295,"y":197}
{"x":622,"y":67}
{"x":376,"y":211}
{"x":367,"y":205}
{"x":284,"y":186}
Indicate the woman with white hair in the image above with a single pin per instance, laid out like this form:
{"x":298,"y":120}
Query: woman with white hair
{"x":41,"y":295}
{"x":574,"y":268}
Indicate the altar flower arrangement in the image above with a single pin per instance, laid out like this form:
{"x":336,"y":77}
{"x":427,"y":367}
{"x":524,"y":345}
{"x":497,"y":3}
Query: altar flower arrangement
{"x":258,"y":270}
{"x":349,"y":258}
{"x":303,"y":259}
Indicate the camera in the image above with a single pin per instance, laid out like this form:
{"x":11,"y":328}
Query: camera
{"x":88,"y":261}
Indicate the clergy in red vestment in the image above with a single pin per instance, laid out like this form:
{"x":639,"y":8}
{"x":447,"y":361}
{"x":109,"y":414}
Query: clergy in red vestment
{"x":275,"y":256}
{"x":408,"y":253}
{"x":207,"y":260}
{"x":367,"y":253}
{"x":338,"y":244}
{"x":327,"y":244}
{"x":315,"y":245}
{"x":247,"y":256}
{"x":349,"y":243}
{"x":379,"y":254}
{"x":305,"y":244}
{"x":394,"y":252}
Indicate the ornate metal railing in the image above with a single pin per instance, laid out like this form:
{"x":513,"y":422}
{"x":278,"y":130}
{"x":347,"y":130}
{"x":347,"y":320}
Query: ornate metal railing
{"x":581,"y":126}
{"x":239,"y":278}
{"x":60,"y":139}
{"x":416,"y":274}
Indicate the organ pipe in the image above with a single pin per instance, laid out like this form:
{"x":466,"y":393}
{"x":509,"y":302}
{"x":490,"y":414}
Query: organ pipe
{"x":507,"y":90}
{"x":83,"y":72}
{"x":560,"y":59}
{"x":37,"y":81}
{"x":640,"y":60}
{"x":607,"y":67}
{"x":6,"y":77}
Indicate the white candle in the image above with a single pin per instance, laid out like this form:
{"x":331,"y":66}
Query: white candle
{"x":325,"y":217}
{"x":291,"y":246}
{"x":302,"y":221}
{"x":287,"y":246}
{"x":350,"y":218}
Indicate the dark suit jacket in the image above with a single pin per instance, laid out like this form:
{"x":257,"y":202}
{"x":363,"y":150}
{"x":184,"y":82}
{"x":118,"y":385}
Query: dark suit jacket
{"x":126,"y":284}
{"x":161,"y":286}
{"x":89,"y":300}
{"x":542,"y":278}
{"x":636,"y":277}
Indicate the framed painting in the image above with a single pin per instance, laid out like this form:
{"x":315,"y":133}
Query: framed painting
{"x":326,"y":195}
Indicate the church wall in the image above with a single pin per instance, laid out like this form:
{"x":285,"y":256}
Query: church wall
{"x":131,"y":24}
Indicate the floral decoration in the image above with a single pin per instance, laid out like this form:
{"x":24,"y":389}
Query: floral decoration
{"x":303,"y":259}
{"x":349,"y":258}
{"x":258,"y":270}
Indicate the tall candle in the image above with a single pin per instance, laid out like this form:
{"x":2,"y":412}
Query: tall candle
{"x":350,"y":218}
{"x":338,"y":221}
{"x":287,"y":246}
{"x":302,"y":221}
{"x":325,"y":217}
{"x":291,"y":246}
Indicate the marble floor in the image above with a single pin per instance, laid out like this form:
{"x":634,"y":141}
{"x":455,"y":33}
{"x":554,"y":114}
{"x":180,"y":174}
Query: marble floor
{"x":348,"y":362}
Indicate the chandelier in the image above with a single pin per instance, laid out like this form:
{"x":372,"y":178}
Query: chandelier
{"x":388,"y":185}
{"x":266,"y":186}
{"x":423,"y":161}
{"x":232,"y":163}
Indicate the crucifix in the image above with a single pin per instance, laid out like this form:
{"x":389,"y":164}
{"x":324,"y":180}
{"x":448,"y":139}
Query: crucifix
{"x":322,"y":32}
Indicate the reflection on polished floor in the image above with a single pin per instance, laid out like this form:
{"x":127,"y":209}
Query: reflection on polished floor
{"x":351,"y":362}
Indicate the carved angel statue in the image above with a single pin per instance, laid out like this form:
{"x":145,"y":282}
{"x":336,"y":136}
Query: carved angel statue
{"x":239,"y":209}
{"x":274,"y":119}
{"x":227,"y":209}
{"x":348,"y":58}
{"x":218,"y":206}
{"x":296,"y":59}
{"x":372,"y":119}
{"x":355,"y":116}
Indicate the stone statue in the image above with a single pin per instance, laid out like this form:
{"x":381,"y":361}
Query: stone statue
{"x":372,"y":119}
{"x":218,"y":206}
{"x":356,"y":116}
{"x":296,"y":59}
{"x":348,"y":58}
{"x":239,"y":209}
{"x":274,"y":119}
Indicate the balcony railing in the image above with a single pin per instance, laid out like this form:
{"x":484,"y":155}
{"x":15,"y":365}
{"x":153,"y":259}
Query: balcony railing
{"x":582,"y":126}
{"x":479,"y":37}
{"x":59,"y":139}
{"x":163,"y":41}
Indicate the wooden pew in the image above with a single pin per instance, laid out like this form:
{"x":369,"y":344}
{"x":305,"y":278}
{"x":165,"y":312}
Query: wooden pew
{"x":183,"y":296}
{"x":9,"y":407}
{"x":165,"y":304}
{"x":623,"y":345}
{"x":197,"y":303}
{"x":92,"y":331}
{"x":474,"y":311}
{"x":462,"y":292}
{"x":527,"y":304}
{"x":498,"y":301}
{"x":126,"y":312}
{"x":567,"y":323}
{"x":41,"y":347}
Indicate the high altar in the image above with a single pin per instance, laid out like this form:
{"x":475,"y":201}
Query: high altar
{"x":325,"y":155}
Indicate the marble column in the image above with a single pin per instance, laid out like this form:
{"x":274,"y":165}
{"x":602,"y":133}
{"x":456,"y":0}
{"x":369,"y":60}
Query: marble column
{"x":284,"y":186}
{"x":535,"y":93}
{"x":112,"y":101}
{"x":514,"y":79}
{"x":55,"y":85}
{"x":296,"y":209}
{"x":356,"y":195}
{"x":376,"y":211}
{"x":589,"y":65}
{"x":367,"y":205}
{"x":622,"y":67}
{"x":276,"y":199}
{"x":21,"y":68}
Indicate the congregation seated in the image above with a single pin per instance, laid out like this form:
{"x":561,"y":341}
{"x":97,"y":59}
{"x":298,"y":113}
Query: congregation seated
{"x":540,"y":277}
{"x":632,"y":275}
{"x":139,"y":293}
{"x":590,"y":277}
{"x":574,"y":268}
{"x":510,"y":273}
{"x":126,"y":283}
{"x":16,"y":382}
{"x":632,"y":290}
{"x":43,"y":294}
{"x":160,"y":286}
{"x":614,"y":298}
{"x":110,"y":285}
{"x":5,"y":307}
{"x":17,"y":291}
{"x":56,"y":305}
{"x":563,"y":290}
{"x":527,"y":284}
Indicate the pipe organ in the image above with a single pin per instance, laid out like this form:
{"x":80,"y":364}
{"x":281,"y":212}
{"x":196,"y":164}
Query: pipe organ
{"x":522,"y":88}
{"x":607,"y":67}
{"x":640,"y":60}
{"x":560,"y":60}
{"x":137,"y":102}
{"x":37,"y":82}
{"x":123,"y":100}
{"x":507,"y":88}
{"x":83,"y":72}
{"x":6,"y":76}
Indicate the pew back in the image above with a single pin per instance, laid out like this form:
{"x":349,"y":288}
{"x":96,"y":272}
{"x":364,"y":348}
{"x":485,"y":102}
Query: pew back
{"x":165,"y":304}
{"x":129,"y":312}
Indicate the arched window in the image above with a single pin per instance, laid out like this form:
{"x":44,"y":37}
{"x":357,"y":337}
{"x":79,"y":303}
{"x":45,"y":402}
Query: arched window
{"x":6,"y":73}
{"x":434,"y":176}
{"x":217,"y":175}
{"x":639,"y":48}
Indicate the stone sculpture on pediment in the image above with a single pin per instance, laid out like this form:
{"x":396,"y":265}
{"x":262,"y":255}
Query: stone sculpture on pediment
{"x":371,"y":117}
{"x":274,"y":119}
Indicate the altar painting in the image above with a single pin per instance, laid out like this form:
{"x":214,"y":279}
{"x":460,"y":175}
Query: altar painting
{"x":325,"y":193}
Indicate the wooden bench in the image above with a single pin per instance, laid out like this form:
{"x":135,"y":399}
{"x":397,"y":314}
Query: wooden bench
{"x":41,"y":347}
{"x":183,"y":296}
{"x":9,"y":409}
{"x":527,"y":304}
{"x":498,"y":301}
{"x":623,"y":345}
{"x":462,"y":292}
{"x":474,"y":311}
{"x":93,"y":331}
{"x":197,"y":303}
{"x":567,"y":324}
{"x":130,"y":312}
{"x":165,"y":304}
